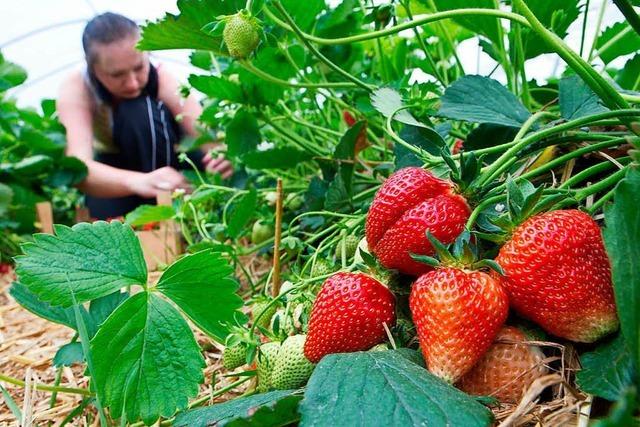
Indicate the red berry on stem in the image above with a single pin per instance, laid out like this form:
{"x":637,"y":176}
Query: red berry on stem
{"x":457,"y":314}
{"x":557,"y":274}
{"x":348,"y":315}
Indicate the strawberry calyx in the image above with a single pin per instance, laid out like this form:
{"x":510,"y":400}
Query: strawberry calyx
{"x":462,"y":254}
{"x":523,"y":200}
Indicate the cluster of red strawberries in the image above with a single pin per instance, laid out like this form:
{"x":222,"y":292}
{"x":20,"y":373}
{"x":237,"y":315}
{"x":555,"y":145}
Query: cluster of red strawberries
{"x":556,"y":273}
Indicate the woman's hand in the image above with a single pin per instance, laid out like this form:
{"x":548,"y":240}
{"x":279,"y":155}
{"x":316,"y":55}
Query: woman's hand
{"x":150,"y":184}
{"x":218,"y":164}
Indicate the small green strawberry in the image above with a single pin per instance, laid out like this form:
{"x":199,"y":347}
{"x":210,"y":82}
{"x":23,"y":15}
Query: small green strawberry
{"x":241,"y":34}
{"x":258,"y":307}
{"x":292,"y":369}
{"x":265,"y":364}
{"x":380,"y":347}
{"x":234,"y":357}
{"x":350,"y":244}
{"x":261,"y":232}
{"x":322,"y":267}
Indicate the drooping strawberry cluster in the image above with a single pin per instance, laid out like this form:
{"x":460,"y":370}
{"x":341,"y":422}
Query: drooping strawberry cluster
{"x":556,"y":273}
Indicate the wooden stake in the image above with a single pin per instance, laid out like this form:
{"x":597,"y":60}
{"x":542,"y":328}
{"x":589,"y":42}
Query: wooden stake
{"x":275,"y":289}
{"x":45,"y":216}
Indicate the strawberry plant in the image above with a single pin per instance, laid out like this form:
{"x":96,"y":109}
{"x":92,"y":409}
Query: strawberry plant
{"x":373,"y":308}
{"x":33,"y":167}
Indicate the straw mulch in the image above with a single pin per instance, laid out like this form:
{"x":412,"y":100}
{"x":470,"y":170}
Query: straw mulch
{"x":28,"y":344}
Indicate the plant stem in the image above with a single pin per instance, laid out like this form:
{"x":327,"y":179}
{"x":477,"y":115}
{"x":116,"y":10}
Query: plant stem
{"x":520,"y":59}
{"x":591,"y":171}
{"x":420,"y":152}
{"x":432,"y":63}
{"x":268,"y":77}
{"x":293,"y":137}
{"x":572,"y":155}
{"x":444,"y":33}
{"x":316,"y":52}
{"x":584,"y":27}
{"x":42,"y":387}
{"x":630,"y":14}
{"x":595,"y":81}
{"x":482,"y":206}
{"x":601,"y":201}
{"x":603,"y":6}
{"x":498,"y":166}
{"x":602,"y":185}
{"x":404,"y":26}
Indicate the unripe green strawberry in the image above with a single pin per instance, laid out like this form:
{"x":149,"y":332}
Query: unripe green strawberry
{"x":292,"y":369}
{"x":261,"y":232}
{"x":234,"y":357}
{"x":258,"y":307}
{"x":241,"y":34}
{"x":265,"y":364}
{"x":350,"y":245}
{"x":322,"y":267}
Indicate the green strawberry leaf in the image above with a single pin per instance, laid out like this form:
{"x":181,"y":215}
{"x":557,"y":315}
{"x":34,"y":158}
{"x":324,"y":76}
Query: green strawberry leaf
{"x":608,"y":370}
{"x":88,"y":260}
{"x":242,"y":211}
{"x":480,"y":99}
{"x":337,"y":197}
{"x":387,"y":101}
{"x":11,"y":75}
{"x":101,"y":308}
{"x":487,"y":26}
{"x":556,"y":15}
{"x":577,"y":99}
{"x":146,"y":362}
{"x":621,"y":237}
{"x":276,"y":158}
{"x":6,"y":195}
{"x":146,"y":214}
{"x":622,"y":412}
{"x":364,"y":388}
{"x":201,"y":59}
{"x":617,"y":40}
{"x":202,"y":285}
{"x":68,"y":354}
{"x":30,"y":301}
{"x":183,"y":31}
{"x":217,"y":88}
{"x":273,"y":408}
{"x":304,"y":13}
{"x":627,"y":77}
{"x":346,"y":150}
{"x":283,"y":412}
{"x":242,"y":133}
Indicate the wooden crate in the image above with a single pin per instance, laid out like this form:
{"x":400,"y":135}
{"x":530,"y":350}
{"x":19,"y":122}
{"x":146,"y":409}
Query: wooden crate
{"x":160,"y":246}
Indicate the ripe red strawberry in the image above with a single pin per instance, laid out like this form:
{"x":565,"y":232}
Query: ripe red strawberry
{"x":348,"y":118}
{"x":457,"y":146}
{"x":557,"y":274}
{"x":507,"y":369}
{"x":409,"y":203}
{"x":348,"y":315}
{"x":457,"y":314}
